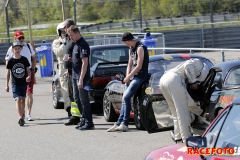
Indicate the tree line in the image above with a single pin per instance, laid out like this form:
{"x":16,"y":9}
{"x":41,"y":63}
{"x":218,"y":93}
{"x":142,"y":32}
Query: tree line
{"x":49,"y":11}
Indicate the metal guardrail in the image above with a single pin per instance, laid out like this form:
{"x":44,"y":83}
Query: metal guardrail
{"x":222,"y":50}
{"x":166,"y":23}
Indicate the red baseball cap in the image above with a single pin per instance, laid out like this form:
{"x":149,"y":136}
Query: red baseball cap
{"x":18,"y":34}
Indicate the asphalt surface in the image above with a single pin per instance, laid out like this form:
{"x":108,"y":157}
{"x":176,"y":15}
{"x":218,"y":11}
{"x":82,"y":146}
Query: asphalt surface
{"x":47,"y":138}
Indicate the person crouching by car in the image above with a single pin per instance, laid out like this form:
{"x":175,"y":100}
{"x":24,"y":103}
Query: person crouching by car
{"x":136,"y":74}
{"x":59,"y":47}
{"x":20,"y":74}
{"x":173,"y":85}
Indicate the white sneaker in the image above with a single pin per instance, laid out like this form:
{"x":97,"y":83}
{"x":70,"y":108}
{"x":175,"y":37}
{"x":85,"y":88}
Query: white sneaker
{"x":113,"y":128}
{"x":29,"y":118}
{"x":122,"y":127}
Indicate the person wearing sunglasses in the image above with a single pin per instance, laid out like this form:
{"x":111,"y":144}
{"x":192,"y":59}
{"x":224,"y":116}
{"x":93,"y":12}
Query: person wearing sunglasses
{"x":28,"y":52}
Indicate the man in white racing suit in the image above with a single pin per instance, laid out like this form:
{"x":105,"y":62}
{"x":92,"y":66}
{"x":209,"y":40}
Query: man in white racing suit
{"x":173,"y":87}
{"x":59,"y":47}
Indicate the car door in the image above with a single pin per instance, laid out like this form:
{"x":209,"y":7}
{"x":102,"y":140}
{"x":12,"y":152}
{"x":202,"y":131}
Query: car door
{"x":116,"y":89}
{"x":155,"y":113}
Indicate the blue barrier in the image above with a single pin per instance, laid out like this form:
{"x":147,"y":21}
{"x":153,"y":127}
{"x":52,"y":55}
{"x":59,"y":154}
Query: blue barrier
{"x":149,"y":42}
{"x":45,"y":59}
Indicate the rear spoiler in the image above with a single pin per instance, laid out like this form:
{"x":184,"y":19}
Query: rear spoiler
{"x":96,"y":65}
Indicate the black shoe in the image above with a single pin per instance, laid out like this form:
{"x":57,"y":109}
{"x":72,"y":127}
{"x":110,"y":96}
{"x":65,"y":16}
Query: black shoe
{"x":80,"y":124}
{"x":72,"y":121}
{"x":87,"y":126}
{"x":21,"y":122}
{"x":179,"y":141}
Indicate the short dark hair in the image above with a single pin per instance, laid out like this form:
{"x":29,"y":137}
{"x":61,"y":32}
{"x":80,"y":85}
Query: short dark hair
{"x":74,"y":29}
{"x":127,"y":36}
{"x":68,"y":22}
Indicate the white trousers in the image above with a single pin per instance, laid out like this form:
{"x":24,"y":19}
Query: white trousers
{"x":64,"y":86}
{"x":173,"y":88}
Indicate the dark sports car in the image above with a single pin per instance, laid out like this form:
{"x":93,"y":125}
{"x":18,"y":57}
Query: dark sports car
{"x":221,"y":140}
{"x":222,"y":86}
{"x":105,"y":62}
{"x":158,"y":64}
{"x":226,"y":86}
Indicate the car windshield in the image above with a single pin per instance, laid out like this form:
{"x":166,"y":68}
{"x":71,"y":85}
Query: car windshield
{"x":233,"y":78}
{"x":225,"y":132}
{"x":229,"y":135}
{"x":157,"y":69}
{"x":109,"y":55}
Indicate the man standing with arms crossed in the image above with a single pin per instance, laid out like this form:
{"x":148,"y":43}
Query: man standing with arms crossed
{"x":28,"y":52}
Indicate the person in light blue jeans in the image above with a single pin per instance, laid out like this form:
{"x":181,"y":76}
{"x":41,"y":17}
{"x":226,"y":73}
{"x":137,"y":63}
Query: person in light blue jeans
{"x":129,"y":91}
{"x":136,"y":74}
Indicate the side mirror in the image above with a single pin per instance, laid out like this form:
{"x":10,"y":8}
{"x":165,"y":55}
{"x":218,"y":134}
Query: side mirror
{"x":57,"y":66}
{"x":196,"y":142}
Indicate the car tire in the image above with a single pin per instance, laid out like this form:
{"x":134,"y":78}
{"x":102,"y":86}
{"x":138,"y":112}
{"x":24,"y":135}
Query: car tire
{"x":108,"y":110}
{"x":55,"y":100}
{"x":136,"y":106}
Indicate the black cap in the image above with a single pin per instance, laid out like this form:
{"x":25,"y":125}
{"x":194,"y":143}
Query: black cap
{"x":16,"y":43}
{"x":127,"y":36}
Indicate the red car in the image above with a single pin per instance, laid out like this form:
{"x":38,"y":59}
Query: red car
{"x":221,"y":140}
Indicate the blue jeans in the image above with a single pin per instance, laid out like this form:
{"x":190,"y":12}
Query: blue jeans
{"x":82,"y":100}
{"x":129,"y":91}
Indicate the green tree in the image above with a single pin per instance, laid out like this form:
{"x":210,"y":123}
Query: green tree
{"x":111,"y":10}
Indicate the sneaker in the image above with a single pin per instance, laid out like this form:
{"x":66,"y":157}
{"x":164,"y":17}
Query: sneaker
{"x":72,"y":121}
{"x":113,"y":128}
{"x":87,"y":126}
{"x":29,"y":118}
{"x":122,"y":127}
{"x":21,"y":122}
{"x":80,"y":124}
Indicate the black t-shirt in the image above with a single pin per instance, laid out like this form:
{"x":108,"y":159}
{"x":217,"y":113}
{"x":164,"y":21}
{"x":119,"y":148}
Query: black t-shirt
{"x":18,"y":69}
{"x":81,"y":49}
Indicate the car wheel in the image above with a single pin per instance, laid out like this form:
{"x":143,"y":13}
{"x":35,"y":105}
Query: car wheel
{"x":137,"y":119}
{"x":108,"y":111}
{"x":55,"y":101}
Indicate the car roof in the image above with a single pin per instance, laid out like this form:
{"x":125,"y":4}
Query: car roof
{"x":108,"y":46}
{"x":226,"y":66}
{"x":173,"y":56}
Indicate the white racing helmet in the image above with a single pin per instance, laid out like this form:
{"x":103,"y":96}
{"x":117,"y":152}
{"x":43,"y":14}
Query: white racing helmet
{"x":59,"y":28}
{"x":204,"y":73}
